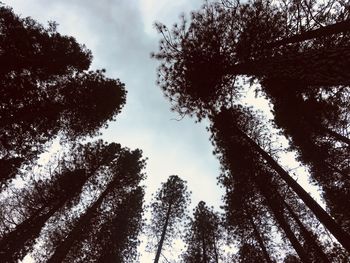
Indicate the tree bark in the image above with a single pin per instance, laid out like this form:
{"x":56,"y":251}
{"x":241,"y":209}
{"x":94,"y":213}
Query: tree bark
{"x":160,"y":245}
{"x":320,"y":213}
{"x":306,"y":234}
{"x":259,"y":239}
{"x":336,"y":28}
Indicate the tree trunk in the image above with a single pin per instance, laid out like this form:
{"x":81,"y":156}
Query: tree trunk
{"x":259,"y":239}
{"x":76,"y":234}
{"x":339,"y":27}
{"x":278,"y":213}
{"x":216,"y":252}
{"x":307,"y":235}
{"x":325,"y":67}
{"x":204,"y":250}
{"x":160,"y":245}
{"x":320,"y":213}
{"x":337,"y":136}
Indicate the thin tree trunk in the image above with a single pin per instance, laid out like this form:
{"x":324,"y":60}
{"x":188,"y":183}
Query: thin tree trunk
{"x":259,"y":239}
{"x":204,"y":249}
{"x":306,"y":234}
{"x":337,"y":136}
{"x":278,"y":213}
{"x":320,"y":213}
{"x":216,"y":252}
{"x":74,"y":235}
{"x":160,"y":245}
{"x":339,"y":27}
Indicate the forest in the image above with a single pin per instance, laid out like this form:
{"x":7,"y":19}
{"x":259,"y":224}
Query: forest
{"x":86,"y":201}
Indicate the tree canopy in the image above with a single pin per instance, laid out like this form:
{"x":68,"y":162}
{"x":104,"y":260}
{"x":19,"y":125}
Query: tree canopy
{"x":47,"y":90}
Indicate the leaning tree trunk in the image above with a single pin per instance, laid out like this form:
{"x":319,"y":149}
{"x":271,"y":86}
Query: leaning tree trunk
{"x":16,"y":243}
{"x":320,"y":213}
{"x":160,"y":245}
{"x":204,"y":250}
{"x":329,"y":30}
{"x":307,"y":235}
{"x":325,"y":67}
{"x":344,"y":238}
{"x":13,"y":245}
{"x":277,"y":211}
{"x":337,"y":136}
{"x":216,"y":251}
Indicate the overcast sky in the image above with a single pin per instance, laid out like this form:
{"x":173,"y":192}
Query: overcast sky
{"x":121,"y":35}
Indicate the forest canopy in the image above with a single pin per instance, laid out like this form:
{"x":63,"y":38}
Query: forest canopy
{"x":87,"y":201}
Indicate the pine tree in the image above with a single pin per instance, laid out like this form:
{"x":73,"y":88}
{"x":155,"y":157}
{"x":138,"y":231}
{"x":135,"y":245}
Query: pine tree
{"x":203,"y":236}
{"x":123,"y":175}
{"x":41,"y":200}
{"x":168,"y":209}
{"x":312,"y":123}
{"x":231,"y":125}
{"x":46,"y":90}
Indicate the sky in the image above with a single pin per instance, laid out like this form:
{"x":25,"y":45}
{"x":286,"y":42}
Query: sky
{"x":121,"y":36}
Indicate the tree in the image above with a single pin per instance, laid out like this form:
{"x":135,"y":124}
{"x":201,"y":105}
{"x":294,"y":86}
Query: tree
{"x":168,"y":209}
{"x":229,"y":124}
{"x":38,"y":202}
{"x":249,"y":254}
{"x":123,"y":175}
{"x":223,"y":43}
{"x":122,"y":231}
{"x":209,"y":47}
{"x":14,"y":245}
{"x":314,"y":121}
{"x":47,"y":90}
{"x":203,"y":236}
{"x":246,"y":216}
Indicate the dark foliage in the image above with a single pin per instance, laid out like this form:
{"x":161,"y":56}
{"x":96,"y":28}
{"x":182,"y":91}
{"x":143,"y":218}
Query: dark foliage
{"x":203,"y":236}
{"x":221,"y":43}
{"x":47,"y":90}
{"x":317,"y":125}
{"x":34,"y":204}
{"x":123,"y":175}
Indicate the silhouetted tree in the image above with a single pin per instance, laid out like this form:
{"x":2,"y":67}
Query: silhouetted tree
{"x":168,"y":209}
{"x":46,"y":90}
{"x":203,"y":236}
{"x":15,"y":244}
{"x":39,"y":202}
{"x":119,"y":237}
{"x":312,"y":122}
{"x":124,"y":175}
{"x":221,"y":43}
{"x":229,"y":133}
{"x":291,"y":259}
{"x":246,"y":217}
{"x":249,"y":254}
